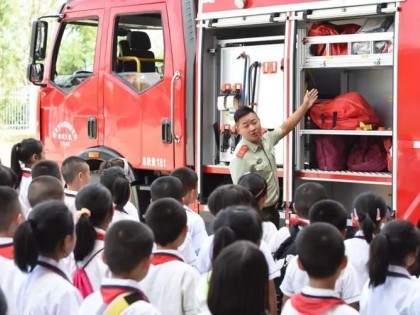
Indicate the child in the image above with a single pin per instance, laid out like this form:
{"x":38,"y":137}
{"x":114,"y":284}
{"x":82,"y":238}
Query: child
{"x":258,"y":188}
{"x":369,"y":213}
{"x":28,"y":152}
{"x":44,"y":188}
{"x":347,"y":286}
{"x":170,"y":283}
{"x":118,"y":184}
{"x":10,"y":218}
{"x":239,"y":286}
{"x":8,"y":177}
{"x":171,"y":187}
{"x":46,"y":167}
{"x":76,"y":174}
{"x":320,"y":249}
{"x":391,"y":289}
{"x":128,"y":249}
{"x":41,"y":243}
{"x":196,"y":227}
{"x":94,"y":205}
{"x":129,"y":207}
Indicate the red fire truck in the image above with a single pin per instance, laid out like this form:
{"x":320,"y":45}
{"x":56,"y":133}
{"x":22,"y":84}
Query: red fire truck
{"x":157,"y":82}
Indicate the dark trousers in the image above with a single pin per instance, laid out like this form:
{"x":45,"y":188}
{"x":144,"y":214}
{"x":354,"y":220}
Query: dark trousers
{"x":271,"y":214}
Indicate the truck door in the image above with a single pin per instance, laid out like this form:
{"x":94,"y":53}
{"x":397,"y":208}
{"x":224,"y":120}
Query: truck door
{"x":70,"y":107}
{"x":138,"y":85}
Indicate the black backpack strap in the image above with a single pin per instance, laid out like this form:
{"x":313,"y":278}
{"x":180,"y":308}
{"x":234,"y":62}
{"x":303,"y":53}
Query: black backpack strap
{"x":293,"y":229}
{"x":90,"y":259}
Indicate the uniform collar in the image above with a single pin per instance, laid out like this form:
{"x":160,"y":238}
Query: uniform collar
{"x":6,"y":240}
{"x":120,"y":282}
{"x":254,"y":147}
{"x":170,"y":252}
{"x":399,"y":269}
{"x":70,"y":193}
{"x":319,"y":292}
{"x":187,"y":208}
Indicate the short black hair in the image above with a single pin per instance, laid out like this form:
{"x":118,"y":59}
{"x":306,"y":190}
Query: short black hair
{"x":127,"y":243}
{"x":118,"y":184}
{"x":9,"y":207}
{"x":44,"y":188}
{"x":167,"y":186}
{"x":241,"y":112}
{"x":46,"y":167}
{"x":329,"y":211}
{"x":71,"y":167}
{"x":188,"y":178}
{"x":8,"y":177}
{"x":230,"y":195}
{"x":320,"y":248}
{"x":306,"y":195}
{"x":256,"y":184}
{"x":167,"y":218}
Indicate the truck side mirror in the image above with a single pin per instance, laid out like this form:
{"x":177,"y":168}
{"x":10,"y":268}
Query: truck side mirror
{"x":35,"y":73}
{"x":39,"y":40}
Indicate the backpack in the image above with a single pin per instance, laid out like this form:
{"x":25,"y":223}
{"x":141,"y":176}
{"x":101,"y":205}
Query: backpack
{"x":81,"y":280}
{"x":123,"y":302}
{"x":326,"y":28}
{"x":368,"y":155}
{"x":332,"y":152}
{"x":344,"y":112}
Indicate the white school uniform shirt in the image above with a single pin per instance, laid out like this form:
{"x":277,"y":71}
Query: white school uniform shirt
{"x":130,"y":213}
{"x":196,"y":228}
{"x":23,"y":190}
{"x":269,"y":232}
{"x":70,"y":201}
{"x":205,"y":257}
{"x":398,"y":295}
{"x":188,"y":252}
{"x":357,"y":251}
{"x":45,"y":292}
{"x":96,"y":269}
{"x":346,"y":286}
{"x":171,"y":286}
{"x":343,"y":309}
{"x":202,"y":292}
{"x":95,"y":305}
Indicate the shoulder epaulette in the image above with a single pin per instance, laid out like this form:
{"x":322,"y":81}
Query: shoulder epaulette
{"x":242,"y":151}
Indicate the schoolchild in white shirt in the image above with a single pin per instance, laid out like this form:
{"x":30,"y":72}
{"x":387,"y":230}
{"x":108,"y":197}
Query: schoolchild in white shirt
{"x":10,"y":218}
{"x":320,"y":249}
{"x":257,"y":186}
{"x":196,"y":227}
{"x":46,"y":167}
{"x":76,"y":174}
{"x":390,"y":289}
{"x":40,"y":243}
{"x":346,"y":286}
{"x":170,"y":283}
{"x":8,"y":177}
{"x":44,"y":188}
{"x":118,"y":184}
{"x":128,"y":249}
{"x":232,"y":224}
{"x":238,"y":283}
{"x":95,"y":210}
{"x":171,"y":187}
{"x":369,"y":213}
{"x":27,"y":152}
{"x":129,"y":207}
{"x":235,"y":195}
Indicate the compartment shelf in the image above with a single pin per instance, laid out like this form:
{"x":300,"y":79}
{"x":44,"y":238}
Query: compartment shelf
{"x":384,"y":178}
{"x":385,"y":133}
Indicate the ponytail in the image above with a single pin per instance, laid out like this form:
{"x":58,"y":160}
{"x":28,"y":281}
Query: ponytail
{"x":379,"y":260}
{"x":369,"y":228}
{"x":25,"y":246}
{"x":14,"y":162}
{"x":121,"y":192}
{"x":86,"y":237}
{"x":223,"y":237}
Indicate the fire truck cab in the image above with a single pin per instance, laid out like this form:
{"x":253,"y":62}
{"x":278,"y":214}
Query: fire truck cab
{"x":157,"y":82}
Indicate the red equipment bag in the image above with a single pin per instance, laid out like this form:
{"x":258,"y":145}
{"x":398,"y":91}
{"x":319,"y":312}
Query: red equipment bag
{"x":344,"y":112}
{"x":388,"y":148}
{"x":332,"y":152}
{"x":325,"y":28}
{"x":368,"y":155}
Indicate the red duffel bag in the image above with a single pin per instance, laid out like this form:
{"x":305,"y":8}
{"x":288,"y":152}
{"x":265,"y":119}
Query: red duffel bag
{"x":332,"y":152}
{"x":368,"y":155}
{"x":344,"y":112}
{"x":326,"y":28}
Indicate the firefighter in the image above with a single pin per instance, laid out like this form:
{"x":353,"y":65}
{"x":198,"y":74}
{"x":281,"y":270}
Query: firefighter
{"x":255,"y":152}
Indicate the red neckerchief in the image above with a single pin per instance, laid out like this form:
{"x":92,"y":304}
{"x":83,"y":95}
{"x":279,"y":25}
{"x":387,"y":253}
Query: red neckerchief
{"x":111,"y":292}
{"x":298,"y":221}
{"x":161,"y":258}
{"x":26,"y":173}
{"x":100,"y":236}
{"x":314,"y":305}
{"x":6,"y":251}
